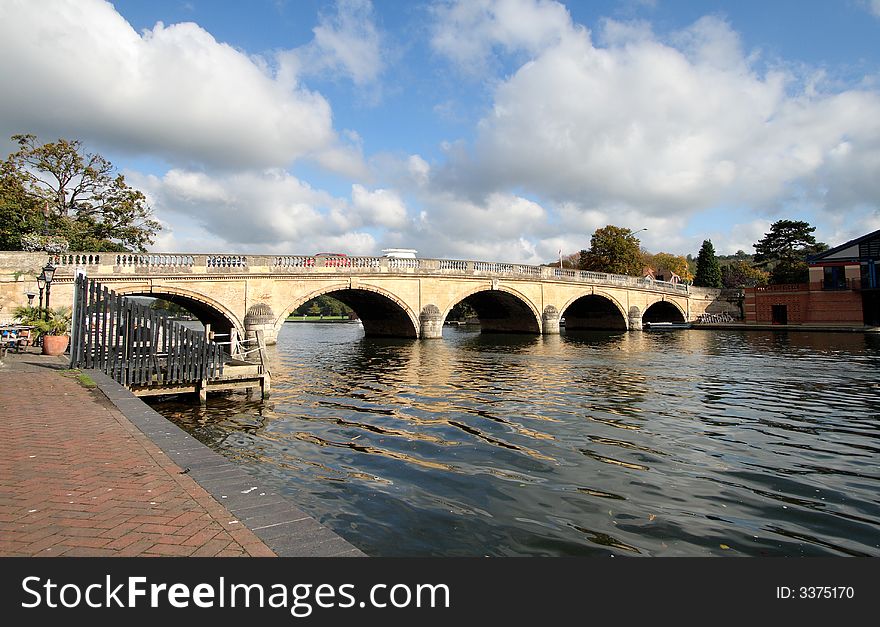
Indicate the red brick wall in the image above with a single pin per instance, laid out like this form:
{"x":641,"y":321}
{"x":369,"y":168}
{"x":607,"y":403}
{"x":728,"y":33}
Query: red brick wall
{"x":804,"y":306}
{"x":833,"y":307}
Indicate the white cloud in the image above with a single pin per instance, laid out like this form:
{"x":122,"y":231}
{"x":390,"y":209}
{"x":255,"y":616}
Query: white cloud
{"x":250,"y":210}
{"x":873,"y":6}
{"x":467,"y":31}
{"x":663,"y":128}
{"x":350,"y":40}
{"x":346,"y":43}
{"x":381,"y":207}
{"x":172,"y":91}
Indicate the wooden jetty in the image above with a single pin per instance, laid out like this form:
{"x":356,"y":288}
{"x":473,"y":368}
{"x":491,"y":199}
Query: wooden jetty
{"x":151,"y":354}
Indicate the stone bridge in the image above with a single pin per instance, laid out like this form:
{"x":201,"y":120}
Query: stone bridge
{"x":393,"y":297}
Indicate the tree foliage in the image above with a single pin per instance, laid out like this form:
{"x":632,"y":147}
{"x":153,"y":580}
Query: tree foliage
{"x":19,"y":212}
{"x":615,"y":250}
{"x":674,"y":263}
{"x":741,"y":273}
{"x":88,"y":202}
{"x":708,"y":269}
{"x":783,"y":251}
{"x":462,"y":311}
{"x":323,"y":306}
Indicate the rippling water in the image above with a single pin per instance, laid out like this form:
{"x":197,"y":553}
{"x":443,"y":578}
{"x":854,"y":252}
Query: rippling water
{"x":667,"y":443}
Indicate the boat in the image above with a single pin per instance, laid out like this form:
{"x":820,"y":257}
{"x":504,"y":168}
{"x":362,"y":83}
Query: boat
{"x":666,"y":326}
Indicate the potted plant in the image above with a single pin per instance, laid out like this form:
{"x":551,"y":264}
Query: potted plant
{"x":55,"y":330}
{"x":28,"y":317}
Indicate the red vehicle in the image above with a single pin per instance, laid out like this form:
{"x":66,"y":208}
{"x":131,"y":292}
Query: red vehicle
{"x":334,"y":260}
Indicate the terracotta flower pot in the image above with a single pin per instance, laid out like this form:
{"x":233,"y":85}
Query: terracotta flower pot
{"x":55,"y":344}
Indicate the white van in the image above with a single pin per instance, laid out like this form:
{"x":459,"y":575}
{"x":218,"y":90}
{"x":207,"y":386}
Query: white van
{"x":399,"y":253}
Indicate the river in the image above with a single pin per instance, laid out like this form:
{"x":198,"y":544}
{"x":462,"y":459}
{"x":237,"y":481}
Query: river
{"x":672,"y":443}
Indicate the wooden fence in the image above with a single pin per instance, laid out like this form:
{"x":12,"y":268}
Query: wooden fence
{"x":136,"y":345}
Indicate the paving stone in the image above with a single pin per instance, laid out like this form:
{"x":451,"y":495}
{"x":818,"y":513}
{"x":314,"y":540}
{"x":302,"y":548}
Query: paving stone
{"x":80,"y":476}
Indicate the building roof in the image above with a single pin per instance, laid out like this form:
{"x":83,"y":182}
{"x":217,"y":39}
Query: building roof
{"x":849,"y":250}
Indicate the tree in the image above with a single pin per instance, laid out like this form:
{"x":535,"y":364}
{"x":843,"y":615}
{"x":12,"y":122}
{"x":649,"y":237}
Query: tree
{"x":783,"y":251}
{"x":462,"y":311}
{"x":708,"y":270}
{"x":674,"y":263}
{"x":741,"y":273}
{"x":89,"y":203}
{"x":19,"y":212}
{"x":614,"y":249}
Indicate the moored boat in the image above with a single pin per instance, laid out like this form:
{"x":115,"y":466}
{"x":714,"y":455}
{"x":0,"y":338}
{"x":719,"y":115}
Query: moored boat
{"x":664,"y":326}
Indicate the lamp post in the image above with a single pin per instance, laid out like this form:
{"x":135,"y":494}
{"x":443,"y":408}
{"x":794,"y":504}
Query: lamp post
{"x":49,"y":274}
{"x":41,"y":283}
{"x":30,"y":297}
{"x":639,"y":231}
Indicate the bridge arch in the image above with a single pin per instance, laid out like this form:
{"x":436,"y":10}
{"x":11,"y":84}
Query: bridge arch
{"x":206,"y":309}
{"x":500,"y":309}
{"x":382,"y":313}
{"x":594,"y":310}
{"x":664,"y":311}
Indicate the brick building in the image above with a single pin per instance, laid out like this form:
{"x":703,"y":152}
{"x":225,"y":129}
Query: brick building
{"x":843,"y":290}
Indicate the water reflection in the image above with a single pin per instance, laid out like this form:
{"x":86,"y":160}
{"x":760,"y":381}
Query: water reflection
{"x":582,"y":444}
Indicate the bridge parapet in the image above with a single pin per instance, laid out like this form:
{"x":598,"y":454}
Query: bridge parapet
{"x":147,"y":263}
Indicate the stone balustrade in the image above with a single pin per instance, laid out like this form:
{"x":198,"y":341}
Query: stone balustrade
{"x":212,"y":263}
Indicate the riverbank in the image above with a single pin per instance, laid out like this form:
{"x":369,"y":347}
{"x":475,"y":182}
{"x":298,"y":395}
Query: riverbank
{"x":742,"y":326}
{"x":321,"y":319}
{"x":88,"y":469}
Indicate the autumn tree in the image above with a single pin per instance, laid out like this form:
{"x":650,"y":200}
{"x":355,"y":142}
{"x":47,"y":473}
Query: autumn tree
{"x":88,"y":202}
{"x":741,"y":273}
{"x":615,"y":250}
{"x":708,"y":269}
{"x":674,"y":263}
{"x":784,"y":250}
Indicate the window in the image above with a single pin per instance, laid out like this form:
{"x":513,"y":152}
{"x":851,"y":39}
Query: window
{"x":835,"y":278}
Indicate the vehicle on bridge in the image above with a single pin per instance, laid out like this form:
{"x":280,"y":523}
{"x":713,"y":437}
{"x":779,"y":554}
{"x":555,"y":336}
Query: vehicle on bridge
{"x":334,"y":260}
{"x":399,"y":253}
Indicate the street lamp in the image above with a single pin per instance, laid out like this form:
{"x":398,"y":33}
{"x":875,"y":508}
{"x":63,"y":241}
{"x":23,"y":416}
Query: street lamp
{"x":41,"y":283}
{"x":639,"y":231}
{"x":48,"y":274}
{"x":30,"y":297}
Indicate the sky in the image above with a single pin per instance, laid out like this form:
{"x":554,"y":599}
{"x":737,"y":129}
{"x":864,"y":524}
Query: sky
{"x":503,"y":130}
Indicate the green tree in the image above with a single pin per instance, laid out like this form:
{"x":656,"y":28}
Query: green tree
{"x":614,"y":249}
{"x":323,"y":306}
{"x":708,"y":269}
{"x":462,"y":311}
{"x":783,"y":251}
{"x":741,"y":273}
{"x":89,"y":203}
{"x":19,"y":212}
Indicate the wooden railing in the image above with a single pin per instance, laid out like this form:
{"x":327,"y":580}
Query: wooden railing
{"x":136,"y":345}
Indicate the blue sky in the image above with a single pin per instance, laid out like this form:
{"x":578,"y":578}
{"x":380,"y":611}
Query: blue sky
{"x":491,"y":129}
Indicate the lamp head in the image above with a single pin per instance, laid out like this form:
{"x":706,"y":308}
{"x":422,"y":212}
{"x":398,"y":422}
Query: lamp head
{"x":49,"y":272}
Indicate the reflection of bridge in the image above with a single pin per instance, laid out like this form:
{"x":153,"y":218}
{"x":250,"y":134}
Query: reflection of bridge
{"x":393,"y":297}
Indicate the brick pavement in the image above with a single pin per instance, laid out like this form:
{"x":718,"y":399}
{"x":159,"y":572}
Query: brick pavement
{"x":77,"y":478}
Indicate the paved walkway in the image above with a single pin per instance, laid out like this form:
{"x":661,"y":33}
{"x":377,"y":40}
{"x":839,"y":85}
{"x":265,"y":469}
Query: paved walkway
{"x":77,"y":478}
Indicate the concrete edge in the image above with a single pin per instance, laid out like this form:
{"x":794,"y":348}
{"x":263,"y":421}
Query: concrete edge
{"x":751,"y":326}
{"x":272,"y":516}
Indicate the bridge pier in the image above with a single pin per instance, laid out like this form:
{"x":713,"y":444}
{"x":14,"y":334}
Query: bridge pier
{"x":431,"y":323}
{"x":260,"y":317}
{"x":635,"y":319}
{"x":550,"y":321}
